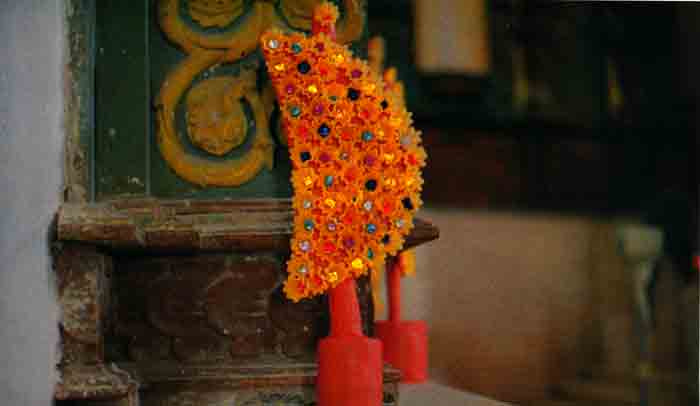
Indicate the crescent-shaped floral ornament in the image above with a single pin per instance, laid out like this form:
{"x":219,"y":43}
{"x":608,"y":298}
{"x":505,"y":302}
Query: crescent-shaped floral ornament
{"x":217,"y":126}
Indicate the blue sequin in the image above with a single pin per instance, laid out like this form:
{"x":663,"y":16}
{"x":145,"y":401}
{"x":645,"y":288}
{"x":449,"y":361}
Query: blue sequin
{"x":371,"y":185}
{"x":304,"y":67}
{"x":324,"y":130}
{"x":353,"y":94}
{"x":371,"y":228}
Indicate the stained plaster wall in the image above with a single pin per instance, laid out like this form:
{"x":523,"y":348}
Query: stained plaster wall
{"x":31,"y":142}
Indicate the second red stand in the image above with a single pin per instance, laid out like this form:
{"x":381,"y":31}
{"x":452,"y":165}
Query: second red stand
{"x":405,"y":342}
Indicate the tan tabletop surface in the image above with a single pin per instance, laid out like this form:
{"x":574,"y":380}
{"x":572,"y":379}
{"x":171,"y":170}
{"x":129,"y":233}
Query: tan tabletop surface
{"x":434,"y":394}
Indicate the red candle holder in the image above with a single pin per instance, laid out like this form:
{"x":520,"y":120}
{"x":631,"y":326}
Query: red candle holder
{"x":405,"y":342}
{"x":349,"y":364}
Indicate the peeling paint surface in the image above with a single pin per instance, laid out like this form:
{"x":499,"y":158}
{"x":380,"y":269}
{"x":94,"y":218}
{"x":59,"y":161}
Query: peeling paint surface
{"x":78,"y":120}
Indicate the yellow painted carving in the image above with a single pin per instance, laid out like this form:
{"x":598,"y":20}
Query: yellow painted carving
{"x":199,"y":170}
{"x":243,"y":39}
{"x":216,"y":122}
{"x":215,"y":13}
{"x":236,"y":43}
{"x":215,"y":119}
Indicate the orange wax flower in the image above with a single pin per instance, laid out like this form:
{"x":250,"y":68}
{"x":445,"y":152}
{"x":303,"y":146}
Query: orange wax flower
{"x":356,"y":159}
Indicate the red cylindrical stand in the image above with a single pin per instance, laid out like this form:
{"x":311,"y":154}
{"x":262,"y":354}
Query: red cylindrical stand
{"x":349,"y":364}
{"x":405,"y":342}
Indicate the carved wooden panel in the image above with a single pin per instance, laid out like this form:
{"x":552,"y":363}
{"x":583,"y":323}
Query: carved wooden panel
{"x":213,"y":308}
{"x":183,"y":106}
{"x":193,"y":309}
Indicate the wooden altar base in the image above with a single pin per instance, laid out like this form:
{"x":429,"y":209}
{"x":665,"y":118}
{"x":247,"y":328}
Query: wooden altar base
{"x":175,"y":303}
{"x":264,"y":382}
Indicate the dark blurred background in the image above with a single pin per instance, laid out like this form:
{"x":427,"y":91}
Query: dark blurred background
{"x":558,"y":132}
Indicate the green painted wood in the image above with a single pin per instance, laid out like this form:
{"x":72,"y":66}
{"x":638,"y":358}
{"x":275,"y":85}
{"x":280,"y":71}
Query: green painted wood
{"x":79,"y":106}
{"x":166,"y":183}
{"x":122,"y":98}
{"x":164,"y":56}
{"x":133,"y":58}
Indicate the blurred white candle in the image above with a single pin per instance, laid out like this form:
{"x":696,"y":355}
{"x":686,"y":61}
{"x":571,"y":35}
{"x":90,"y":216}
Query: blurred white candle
{"x":452,"y":36}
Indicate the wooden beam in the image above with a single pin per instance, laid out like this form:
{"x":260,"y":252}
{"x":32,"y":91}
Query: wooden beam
{"x":159,"y":226}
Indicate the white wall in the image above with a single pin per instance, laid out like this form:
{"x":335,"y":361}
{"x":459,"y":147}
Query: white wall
{"x":31,"y":143}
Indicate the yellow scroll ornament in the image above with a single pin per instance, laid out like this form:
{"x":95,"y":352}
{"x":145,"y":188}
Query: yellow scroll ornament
{"x":218,"y":126}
